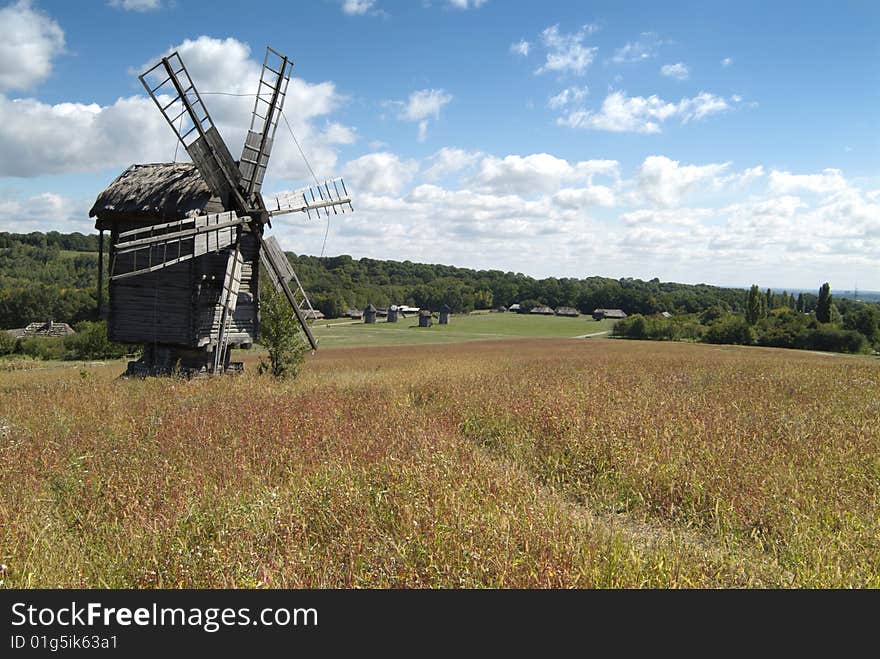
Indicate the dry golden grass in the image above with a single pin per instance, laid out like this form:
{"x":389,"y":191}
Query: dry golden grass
{"x":532,"y":463}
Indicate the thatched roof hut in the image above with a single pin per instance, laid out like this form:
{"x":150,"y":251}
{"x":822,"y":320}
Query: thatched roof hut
{"x":49,"y":328}
{"x":370,"y":314}
{"x":425,"y":319}
{"x":445,"y":312}
{"x":160,"y":190}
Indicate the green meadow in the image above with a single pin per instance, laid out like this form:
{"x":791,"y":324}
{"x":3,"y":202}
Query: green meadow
{"x":473,"y":327}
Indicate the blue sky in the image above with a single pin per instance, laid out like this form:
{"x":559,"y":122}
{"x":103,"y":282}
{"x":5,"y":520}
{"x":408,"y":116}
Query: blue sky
{"x":726,"y":143}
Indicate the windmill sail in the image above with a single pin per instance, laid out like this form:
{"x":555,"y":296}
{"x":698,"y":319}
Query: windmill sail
{"x":284,"y":279}
{"x":328,"y":195}
{"x":159,"y":246}
{"x":271,"y":93}
{"x":177,"y":98}
{"x":228,"y":303}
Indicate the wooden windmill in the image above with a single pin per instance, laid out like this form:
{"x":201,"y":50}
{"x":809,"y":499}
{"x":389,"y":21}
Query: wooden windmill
{"x":186,"y":239}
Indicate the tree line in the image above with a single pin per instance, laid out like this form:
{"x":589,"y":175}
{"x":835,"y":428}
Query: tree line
{"x":54,"y":276}
{"x":781,"y":321}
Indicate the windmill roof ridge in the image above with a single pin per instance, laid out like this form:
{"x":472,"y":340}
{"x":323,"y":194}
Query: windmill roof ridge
{"x":155,"y":190}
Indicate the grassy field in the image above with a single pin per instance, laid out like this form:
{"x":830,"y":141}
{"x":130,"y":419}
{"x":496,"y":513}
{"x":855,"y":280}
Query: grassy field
{"x":520,"y":463}
{"x":479,"y":326}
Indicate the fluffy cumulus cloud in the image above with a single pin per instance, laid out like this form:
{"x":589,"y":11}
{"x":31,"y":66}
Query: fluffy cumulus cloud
{"x":23,"y":214}
{"x":136,"y":5}
{"x":638,"y":114}
{"x":37,"y":138}
{"x":422,"y":106}
{"x":568,"y":97}
{"x":380,"y":173}
{"x":448,"y":161}
{"x":31,"y":40}
{"x":521,"y":47}
{"x":827,"y":182}
{"x":663,"y":181}
{"x":357,"y":7}
{"x":643,"y":48}
{"x":678,"y":71}
{"x":567,"y":53}
{"x":542,"y":173}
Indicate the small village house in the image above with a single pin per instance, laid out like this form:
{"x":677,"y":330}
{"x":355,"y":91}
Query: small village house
{"x":602,"y":314}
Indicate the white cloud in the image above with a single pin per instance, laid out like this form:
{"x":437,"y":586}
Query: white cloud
{"x":40,"y":139}
{"x":521,"y":47}
{"x":637,"y":114}
{"x":645,"y":47}
{"x":467,"y":4}
{"x":539,"y":173}
{"x":727,"y":61}
{"x":36,"y":213}
{"x":679,"y":71}
{"x":566,"y":53}
{"x":136,"y":5}
{"x":450,"y":161}
{"x":829,"y":181}
{"x":357,"y":7}
{"x":664,"y":181}
{"x":31,"y":41}
{"x":380,"y":173}
{"x":421,"y":107}
{"x":570,"y":96}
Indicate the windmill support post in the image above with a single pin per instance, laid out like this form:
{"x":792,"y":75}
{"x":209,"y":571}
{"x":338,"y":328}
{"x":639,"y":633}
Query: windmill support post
{"x":100,"y":272}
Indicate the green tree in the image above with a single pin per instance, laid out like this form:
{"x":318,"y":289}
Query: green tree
{"x":754,"y":310}
{"x":280,"y":335}
{"x":91,"y":342}
{"x":866,"y":320}
{"x":823,"y":306}
{"x":7,"y":343}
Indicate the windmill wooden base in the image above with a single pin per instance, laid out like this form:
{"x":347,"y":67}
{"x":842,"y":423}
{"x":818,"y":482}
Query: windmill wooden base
{"x":162,"y":360}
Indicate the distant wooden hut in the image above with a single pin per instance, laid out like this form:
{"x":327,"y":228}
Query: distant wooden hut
{"x":515,"y":308}
{"x":46,"y":329}
{"x":425,"y":319}
{"x":602,"y":314}
{"x":354,"y":314}
{"x":568,"y":311}
{"x":370,"y":315}
{"x":392,"y":314}
{"x":445,"y":312}
{"x":313,"y":314}
{"x":542,"y":310}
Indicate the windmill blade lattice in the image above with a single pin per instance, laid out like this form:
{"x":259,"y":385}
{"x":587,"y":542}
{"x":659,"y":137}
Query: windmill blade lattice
{"x":158,"y":246}
{"x":268,"y":105}
{"x":171,"y":88}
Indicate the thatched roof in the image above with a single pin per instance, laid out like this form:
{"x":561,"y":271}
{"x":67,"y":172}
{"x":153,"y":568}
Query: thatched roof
{"x":161,"y":190}
{"x":49,"y":328}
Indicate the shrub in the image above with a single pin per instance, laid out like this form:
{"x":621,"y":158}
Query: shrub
{"x":7,"y":343}
{"x":41,"y":347}
{"x":91,"y":342}
{"x":280,"y":335}
{"x":832,"y":339}
{"x":730,"y":329}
